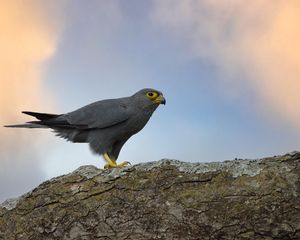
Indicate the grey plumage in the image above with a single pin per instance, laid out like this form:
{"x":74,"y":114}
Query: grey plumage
{"x":106,"y":125}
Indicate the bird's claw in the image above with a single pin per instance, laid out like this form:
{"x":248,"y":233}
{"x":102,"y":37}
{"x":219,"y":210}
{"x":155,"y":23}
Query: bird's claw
{"x":115,"y":165}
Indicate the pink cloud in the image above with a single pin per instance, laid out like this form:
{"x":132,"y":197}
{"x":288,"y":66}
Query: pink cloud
{"x":256,"y":44}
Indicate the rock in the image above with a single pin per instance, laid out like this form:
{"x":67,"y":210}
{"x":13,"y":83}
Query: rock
{"x":167,"y":199}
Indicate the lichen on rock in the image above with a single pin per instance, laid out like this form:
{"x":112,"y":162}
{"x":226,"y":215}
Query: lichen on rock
{"x":167,"y":199}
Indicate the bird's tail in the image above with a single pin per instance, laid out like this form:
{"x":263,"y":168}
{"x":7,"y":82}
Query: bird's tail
{"x":35,"y":124}
{"x":26,"y":125}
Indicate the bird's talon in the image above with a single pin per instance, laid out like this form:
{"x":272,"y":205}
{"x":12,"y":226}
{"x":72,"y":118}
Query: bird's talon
{"x":111,"y":163}
{"x":122,"y":164}
{"x":106,"y":166}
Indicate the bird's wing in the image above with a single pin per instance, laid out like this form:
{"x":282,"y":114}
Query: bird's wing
{"x":101,"y":114}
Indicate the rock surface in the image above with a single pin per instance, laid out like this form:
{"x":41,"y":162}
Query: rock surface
{"x":168,"y":199}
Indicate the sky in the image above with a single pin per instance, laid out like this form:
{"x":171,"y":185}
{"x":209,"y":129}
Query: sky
{"x":229,"y":71}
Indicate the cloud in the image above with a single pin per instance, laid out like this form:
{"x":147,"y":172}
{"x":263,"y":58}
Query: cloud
{"x":255,"y":45}
{"x":27,"y":41}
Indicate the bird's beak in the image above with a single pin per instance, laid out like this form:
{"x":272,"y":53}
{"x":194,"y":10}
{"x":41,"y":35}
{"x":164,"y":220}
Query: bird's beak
{"x":160,"y":100}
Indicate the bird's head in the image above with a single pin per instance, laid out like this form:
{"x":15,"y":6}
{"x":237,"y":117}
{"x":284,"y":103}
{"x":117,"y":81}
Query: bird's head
{"x":150,"y":96}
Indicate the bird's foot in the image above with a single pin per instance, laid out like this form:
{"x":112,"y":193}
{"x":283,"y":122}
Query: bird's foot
{"x":115,"y":165}
{"x":111,"y":163}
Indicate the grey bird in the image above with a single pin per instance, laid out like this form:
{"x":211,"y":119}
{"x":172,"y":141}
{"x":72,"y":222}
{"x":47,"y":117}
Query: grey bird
{"x":106,"y":125}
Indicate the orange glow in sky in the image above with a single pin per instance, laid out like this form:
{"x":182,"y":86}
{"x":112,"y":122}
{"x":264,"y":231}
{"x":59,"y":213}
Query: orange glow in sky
{"x":25,"y":43}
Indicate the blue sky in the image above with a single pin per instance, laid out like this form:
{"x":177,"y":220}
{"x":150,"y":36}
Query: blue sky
{"x":225,"y":98}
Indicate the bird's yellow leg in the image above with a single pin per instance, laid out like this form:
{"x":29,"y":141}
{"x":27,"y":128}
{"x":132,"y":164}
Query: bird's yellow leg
{"x":111,"y":163}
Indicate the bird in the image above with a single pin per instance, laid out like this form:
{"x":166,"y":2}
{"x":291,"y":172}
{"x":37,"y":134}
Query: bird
{"x":105,"y":125}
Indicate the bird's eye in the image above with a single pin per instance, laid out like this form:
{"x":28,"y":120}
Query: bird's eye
{"x":152,"y":95}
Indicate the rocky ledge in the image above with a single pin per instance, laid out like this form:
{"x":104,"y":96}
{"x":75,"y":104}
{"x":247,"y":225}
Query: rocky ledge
{"x":167,"y":199}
